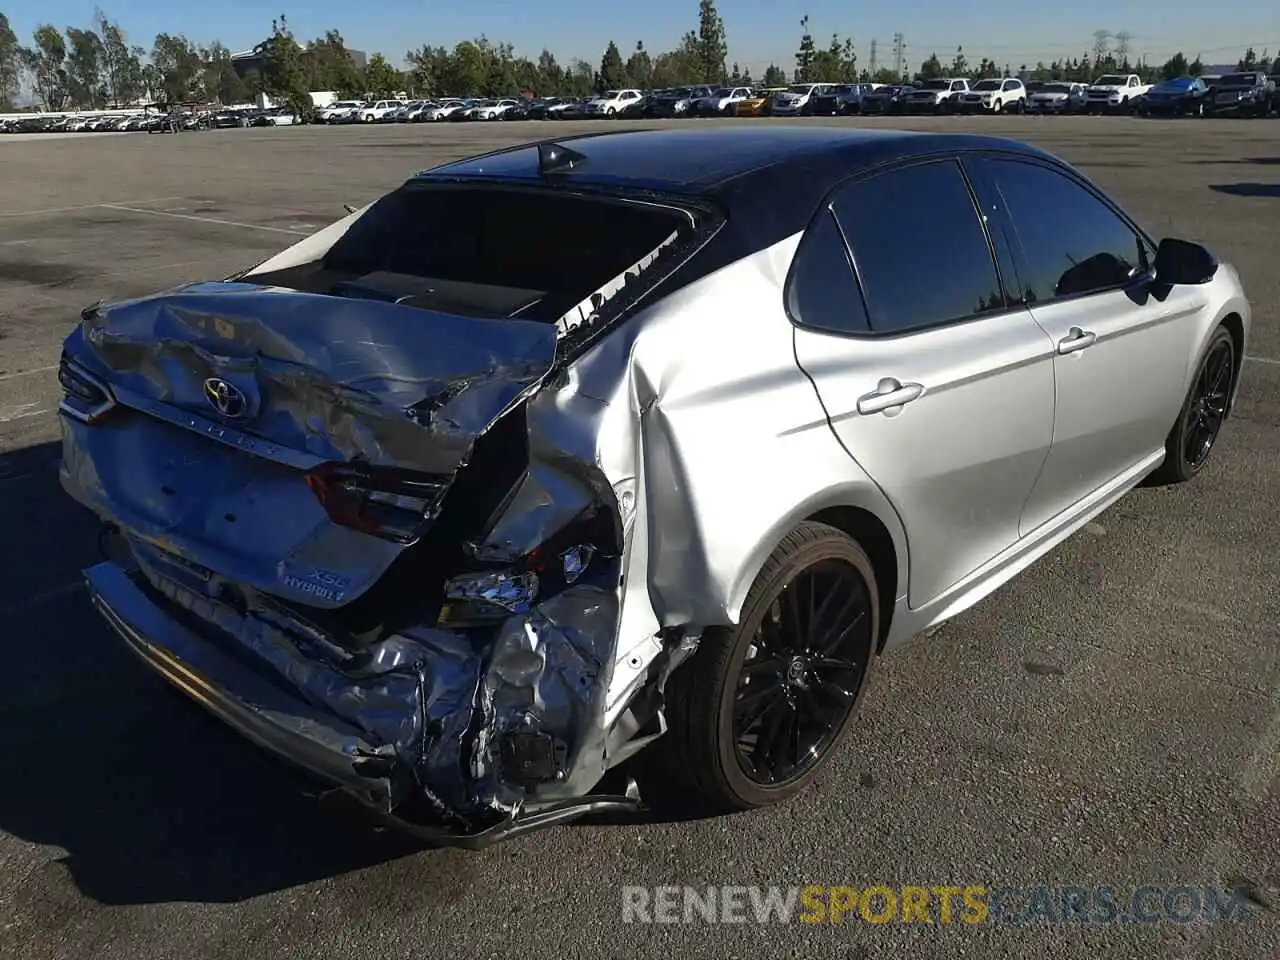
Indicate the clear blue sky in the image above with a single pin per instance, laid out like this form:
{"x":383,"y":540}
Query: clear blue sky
{"x":759,"y":31}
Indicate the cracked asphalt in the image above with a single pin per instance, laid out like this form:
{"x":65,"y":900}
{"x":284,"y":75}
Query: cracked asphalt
{"x":1111,"y":717}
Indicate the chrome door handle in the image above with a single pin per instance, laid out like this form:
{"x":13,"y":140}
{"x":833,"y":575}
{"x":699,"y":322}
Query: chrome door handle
{"x":1076,"y":339}
{"x":889,"y":393}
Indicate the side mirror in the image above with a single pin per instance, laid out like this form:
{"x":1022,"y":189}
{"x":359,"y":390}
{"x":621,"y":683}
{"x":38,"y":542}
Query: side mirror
{"x":1184,"y":262}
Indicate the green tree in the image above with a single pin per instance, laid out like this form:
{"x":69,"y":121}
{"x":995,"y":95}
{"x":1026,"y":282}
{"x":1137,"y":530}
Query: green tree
{"x":550,"y":74}
{"x":84,"y":67}
{"x":525,"y":73}
{"x":959,"y":64}
{"x":848,"y":62}
{"x":1249,"y":61}
{"x":179,"y":69}
{"x":1175,"y":66}
{"x":710,"y":47}
{"x":673,"y":69}
{"x":828,"y":65}
{"x":500,"y":74}
{"x":986,"y":69}
{"x":329,"y":66}
{"x":284,"y":76}
{"x":580,"y":79}
{"x":464,"y":70}
{"x":1195,"y":68}
{"x":931,"y":68}
{"x":774,"y":76}
{"x":381,"y":79}
{"x":11,"y":64}
{"x":47,"y":61}
{"x":613,"y":72}
{"x":640,"y":67}
{"x":806,"y":54}
{"x":428,"y":70}
{"x":221,"y":82}
{"x":121,"y":71}
{"x":153,"y":83}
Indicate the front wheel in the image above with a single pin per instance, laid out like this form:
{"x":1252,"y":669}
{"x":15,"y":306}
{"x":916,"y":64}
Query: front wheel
{"x":1190,"y":441}
{"x":997,"y":106}
{"x":759,"y":707}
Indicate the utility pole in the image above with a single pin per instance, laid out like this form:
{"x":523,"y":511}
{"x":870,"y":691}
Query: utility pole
{"x":1122,"y":45}
{"x":873,"y":56}
{"x":1100,"y":38}
{"x":899,"y":54}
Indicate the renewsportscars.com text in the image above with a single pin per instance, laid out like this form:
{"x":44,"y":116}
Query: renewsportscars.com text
{"x":935,"y":904}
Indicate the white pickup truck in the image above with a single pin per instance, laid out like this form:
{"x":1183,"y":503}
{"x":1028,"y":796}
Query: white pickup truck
{"x":1115,"y":92}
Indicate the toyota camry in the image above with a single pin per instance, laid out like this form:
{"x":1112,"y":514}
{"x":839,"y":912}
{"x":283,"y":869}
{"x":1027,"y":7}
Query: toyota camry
{"x":635,"y":446}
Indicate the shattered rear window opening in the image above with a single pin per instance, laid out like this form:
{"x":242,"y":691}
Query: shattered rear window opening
{"x":491,"y":251}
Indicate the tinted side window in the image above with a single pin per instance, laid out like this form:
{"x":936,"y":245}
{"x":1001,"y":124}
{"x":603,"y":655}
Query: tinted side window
{"x":1072,"y":243}
{"x":823,"y":291}
{"x":919,"y":246}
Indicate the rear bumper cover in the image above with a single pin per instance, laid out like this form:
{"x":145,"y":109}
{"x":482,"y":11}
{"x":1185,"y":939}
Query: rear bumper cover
{"x":310,"y":738}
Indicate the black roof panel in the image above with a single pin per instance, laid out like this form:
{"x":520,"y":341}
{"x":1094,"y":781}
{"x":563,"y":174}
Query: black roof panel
{"x":700,"y":160}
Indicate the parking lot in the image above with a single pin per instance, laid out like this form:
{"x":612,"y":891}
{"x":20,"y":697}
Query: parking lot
{"x":1111,"y":717}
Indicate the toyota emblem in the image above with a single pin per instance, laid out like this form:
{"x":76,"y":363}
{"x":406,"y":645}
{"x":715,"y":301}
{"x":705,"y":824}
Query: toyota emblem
{"x":228,"y":399}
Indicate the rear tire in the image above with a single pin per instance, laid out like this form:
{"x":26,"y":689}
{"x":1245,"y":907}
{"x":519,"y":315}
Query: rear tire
{"x":796,"y":665}
{"x":1191,"y":440}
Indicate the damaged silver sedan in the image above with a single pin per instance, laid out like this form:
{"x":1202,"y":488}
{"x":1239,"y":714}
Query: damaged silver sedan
{"x":647,"y":438}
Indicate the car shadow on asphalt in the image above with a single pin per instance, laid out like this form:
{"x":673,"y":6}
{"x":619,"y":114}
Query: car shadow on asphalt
{"x":1261,"y":161}
{"x":1247,"y":189}
{"x":151,"y":799}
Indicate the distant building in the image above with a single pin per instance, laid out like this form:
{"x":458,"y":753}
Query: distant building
{"x":250,"y":60}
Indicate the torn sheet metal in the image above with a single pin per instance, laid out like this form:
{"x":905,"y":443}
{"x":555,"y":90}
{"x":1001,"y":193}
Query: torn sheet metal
{"x":341,"y":379}
{"x":440,"y":701}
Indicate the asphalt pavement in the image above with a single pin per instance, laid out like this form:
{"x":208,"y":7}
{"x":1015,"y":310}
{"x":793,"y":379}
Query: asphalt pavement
{"x":1112,"y":717}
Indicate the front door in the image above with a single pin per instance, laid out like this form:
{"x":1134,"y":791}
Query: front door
{"x":1120,"y":343}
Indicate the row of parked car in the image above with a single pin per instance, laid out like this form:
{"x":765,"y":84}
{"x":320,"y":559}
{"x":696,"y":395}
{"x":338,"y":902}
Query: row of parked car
{"x":150,"y":121}
{"x":1250,"y":93}
{"x":1246,"y":93}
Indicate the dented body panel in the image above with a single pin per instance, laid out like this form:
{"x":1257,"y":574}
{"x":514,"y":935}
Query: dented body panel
{"x":686,"y":434}
{"x":449,"y":562}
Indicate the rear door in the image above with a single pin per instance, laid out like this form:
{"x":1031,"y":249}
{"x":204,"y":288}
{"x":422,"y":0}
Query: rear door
{"x":1121,"y":345}
{"x":940,"y":390}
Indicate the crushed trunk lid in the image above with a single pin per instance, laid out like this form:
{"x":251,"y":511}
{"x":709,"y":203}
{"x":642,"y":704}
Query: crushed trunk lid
{"x":250,"y":418}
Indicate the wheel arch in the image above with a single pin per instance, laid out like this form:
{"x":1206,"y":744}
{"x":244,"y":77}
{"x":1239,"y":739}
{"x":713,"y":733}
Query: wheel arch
{"x":864,"y":515}
{"x":873,"y":536}
{"x":1233,"y":323}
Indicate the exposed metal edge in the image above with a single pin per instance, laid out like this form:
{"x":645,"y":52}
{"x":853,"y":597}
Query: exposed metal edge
{"x":521,"y":823}
{"x":326,"y":762}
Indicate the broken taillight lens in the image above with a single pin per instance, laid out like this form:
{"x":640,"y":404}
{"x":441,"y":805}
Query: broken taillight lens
{"x":84,"y":396}
{"x":392,"y":504}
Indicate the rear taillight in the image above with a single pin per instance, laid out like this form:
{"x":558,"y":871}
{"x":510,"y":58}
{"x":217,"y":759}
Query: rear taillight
{"x":84,"y":396}
{"x":392,"y":504}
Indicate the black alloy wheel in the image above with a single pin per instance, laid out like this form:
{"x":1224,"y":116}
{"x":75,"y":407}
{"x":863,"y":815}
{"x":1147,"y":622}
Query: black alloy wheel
{"x":758,"y":707}
{"x":802,"y":672}
{"x":1192,"y":438}
{"x":1208,"y":407}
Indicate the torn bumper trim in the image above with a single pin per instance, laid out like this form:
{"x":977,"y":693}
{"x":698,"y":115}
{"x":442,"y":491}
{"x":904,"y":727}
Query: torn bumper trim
{"x":286,"y":726}
{"x":307,"y":737}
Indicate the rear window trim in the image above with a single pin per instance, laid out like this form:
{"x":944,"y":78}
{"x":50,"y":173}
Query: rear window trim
{"x":703,"y":219}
